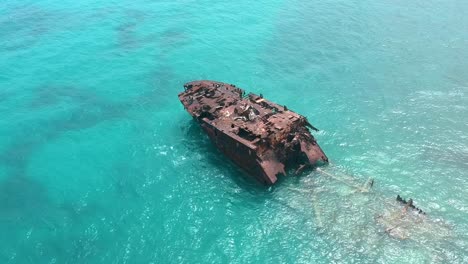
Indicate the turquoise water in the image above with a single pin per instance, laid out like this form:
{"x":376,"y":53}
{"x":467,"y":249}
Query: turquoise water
{"x":99,"y":162}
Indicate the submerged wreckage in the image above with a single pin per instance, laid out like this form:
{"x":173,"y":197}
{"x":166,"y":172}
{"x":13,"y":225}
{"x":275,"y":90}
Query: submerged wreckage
{"x":267,"y":139}
{"x":263,"y":138}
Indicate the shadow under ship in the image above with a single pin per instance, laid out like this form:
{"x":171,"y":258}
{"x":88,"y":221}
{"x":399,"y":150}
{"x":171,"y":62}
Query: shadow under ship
{"x":263,"y":138}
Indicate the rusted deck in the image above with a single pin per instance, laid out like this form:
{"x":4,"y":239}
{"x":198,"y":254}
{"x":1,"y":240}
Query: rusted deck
{"x":264,"y":138}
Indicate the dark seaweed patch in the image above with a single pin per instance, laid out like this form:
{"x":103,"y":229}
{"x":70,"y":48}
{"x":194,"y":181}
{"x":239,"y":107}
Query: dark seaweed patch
{"x":23,"y":27}
{"x":51,"y":95}
{"x":91,"y":110}
{"x":173,"y":38}
{"x":136,"y":14}
{"x":127,"y":36}
{"x":87,"y":116}
{"x":22,"y":198}
{"x":5,"y":96}
{"x":15,"y":156}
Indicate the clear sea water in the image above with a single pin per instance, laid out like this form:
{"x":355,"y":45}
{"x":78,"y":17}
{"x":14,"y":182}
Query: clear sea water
{"x":99,"y":162}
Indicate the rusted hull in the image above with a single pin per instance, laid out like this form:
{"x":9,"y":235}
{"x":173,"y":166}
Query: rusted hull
{"x":261,"y":137}
{"x":242,"y":157}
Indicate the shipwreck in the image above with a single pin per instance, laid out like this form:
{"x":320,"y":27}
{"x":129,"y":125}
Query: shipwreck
{"x":263,"y":138}
{"x":267,"y":140}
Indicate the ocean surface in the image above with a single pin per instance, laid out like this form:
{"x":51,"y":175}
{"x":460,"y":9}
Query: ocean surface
{"x":99,"y":162}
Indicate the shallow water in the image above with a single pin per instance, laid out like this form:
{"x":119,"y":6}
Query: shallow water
{"x":99,"y":163}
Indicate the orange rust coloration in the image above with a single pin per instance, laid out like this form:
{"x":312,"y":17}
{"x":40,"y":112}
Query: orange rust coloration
{"x":263,"y":138}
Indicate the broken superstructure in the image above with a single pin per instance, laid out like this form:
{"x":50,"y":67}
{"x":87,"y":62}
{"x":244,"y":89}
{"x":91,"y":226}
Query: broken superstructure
{"x":263,"y":138}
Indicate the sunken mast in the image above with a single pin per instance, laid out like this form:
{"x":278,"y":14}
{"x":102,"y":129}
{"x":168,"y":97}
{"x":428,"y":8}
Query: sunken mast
{"x":263,"y":138}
